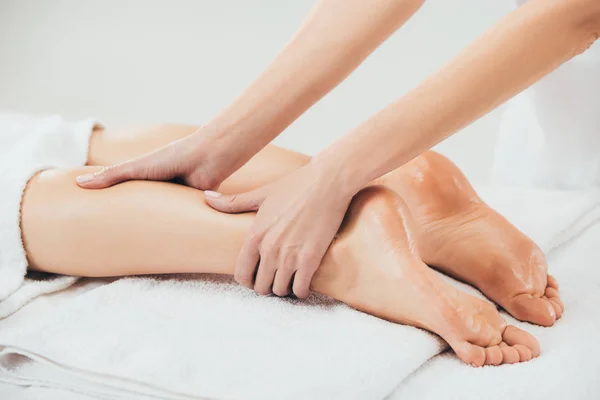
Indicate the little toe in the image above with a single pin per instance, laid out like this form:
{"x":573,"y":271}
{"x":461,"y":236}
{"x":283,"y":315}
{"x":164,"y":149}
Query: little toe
{"x":515,"y":336}
{"x":539,"y":311}
{"x":469,"y":353}
{"x":524,"y":352}
{"x":493,"y":355}
{"x":510,"y":355}
{"x":552,"y":282}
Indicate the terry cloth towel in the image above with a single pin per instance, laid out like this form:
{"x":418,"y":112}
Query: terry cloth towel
{"x":29,"y":144}
{"x":184,"y":337}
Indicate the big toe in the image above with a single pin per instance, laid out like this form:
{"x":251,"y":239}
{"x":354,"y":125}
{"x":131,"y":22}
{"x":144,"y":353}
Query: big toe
{"x":536,"y":310}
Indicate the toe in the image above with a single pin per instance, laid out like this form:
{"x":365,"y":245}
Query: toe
{"x":557,"y":308}
{"x":532,"y":309}
{"x":493,"y":355}
{"x":510,"y":355}
{"x":524,"y":352}
{"x":553,"y":294}
{"x":552,"y":282}
{"x":514,"y":336}
{"x":469,"y":353}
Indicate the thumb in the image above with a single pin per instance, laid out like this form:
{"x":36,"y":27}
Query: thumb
{"x":234,"y":203}
{"x":112,"y":175}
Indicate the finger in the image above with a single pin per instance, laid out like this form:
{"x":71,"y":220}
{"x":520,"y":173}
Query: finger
{"x":234,"y":203}
{"x":112,"y":175}
{"x":308,"y":262}
{"x":302,"y":280}
{"x":282,"y":285}
{"x":265,"y":276}
{"x":247,"y":263}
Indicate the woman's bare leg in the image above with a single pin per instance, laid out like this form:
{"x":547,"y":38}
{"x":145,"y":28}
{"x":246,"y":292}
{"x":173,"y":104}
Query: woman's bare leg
{"x":450,"y":217}
{"x":152,"y":227}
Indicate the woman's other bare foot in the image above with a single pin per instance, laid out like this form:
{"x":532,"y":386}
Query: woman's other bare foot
{"x":374,"y":266}
{"x":463,"y":237}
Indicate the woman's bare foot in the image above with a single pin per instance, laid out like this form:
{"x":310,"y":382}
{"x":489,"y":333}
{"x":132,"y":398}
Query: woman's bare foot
{"x":374,"y":266}
{"x":463,"y":237}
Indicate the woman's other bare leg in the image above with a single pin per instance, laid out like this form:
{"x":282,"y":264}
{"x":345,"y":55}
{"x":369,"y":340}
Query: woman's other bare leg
{"x":113,"y":146}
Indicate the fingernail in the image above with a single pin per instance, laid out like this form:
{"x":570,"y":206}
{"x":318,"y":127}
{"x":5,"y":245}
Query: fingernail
{"x":85,"y":178}
{"x":211,"y":194}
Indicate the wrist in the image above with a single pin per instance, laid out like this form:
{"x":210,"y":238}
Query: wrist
{"x":218,"y":150}
{"x":337,"y":174}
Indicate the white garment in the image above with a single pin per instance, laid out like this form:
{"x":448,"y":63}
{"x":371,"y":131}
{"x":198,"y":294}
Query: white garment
{"x":27,"y":145}
{"x":550,"y":134}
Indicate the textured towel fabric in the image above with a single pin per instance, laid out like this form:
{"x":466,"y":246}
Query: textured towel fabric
{"x":194,"y":337}
{"x":29,"y":144}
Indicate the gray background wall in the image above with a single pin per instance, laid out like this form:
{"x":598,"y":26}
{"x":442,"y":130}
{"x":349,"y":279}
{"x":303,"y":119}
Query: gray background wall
{"x":137,"y":61}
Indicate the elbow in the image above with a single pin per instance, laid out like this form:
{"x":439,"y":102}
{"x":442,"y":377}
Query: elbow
{"x":586,"y":22}
{"x":587,"y":15}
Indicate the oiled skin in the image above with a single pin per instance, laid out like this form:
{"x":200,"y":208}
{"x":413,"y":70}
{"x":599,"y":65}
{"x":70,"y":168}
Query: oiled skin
{"x":450,"y":219}
{"x":147,"y":227}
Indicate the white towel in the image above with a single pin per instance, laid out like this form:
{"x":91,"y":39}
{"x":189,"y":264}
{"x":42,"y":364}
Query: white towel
{"x":29,"y":144}
{"x":194,"y":337}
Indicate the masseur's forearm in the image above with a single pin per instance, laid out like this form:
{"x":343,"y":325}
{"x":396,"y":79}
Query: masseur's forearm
{"x":333,"y":40}
{"x":518,"y":51}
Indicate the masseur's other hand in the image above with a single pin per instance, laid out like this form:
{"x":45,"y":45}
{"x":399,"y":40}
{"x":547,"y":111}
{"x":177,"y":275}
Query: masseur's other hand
{"x":198,"y":160}
{"x":298,"y":217}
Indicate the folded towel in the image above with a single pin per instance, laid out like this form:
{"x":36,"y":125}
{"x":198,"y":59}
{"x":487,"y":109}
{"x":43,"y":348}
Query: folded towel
{"x":192,"y":337}
{"x":29,"y":144}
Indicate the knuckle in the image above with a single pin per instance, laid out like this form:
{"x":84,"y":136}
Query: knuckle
{"x":232,"y":200}
{"x":309,"y":257}
{"x":269,"y":248}
{"x":254,"y":239}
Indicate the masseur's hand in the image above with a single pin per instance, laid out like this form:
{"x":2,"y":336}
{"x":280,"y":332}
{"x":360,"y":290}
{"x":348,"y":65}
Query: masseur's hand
{"x":201,"y":160}
{"x":298,"y":217}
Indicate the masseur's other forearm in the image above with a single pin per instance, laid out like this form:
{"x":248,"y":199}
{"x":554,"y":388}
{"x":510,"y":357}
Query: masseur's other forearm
{"x":518,"y":51}
{"x":333,"y":40}
{"x":299,"y":215}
